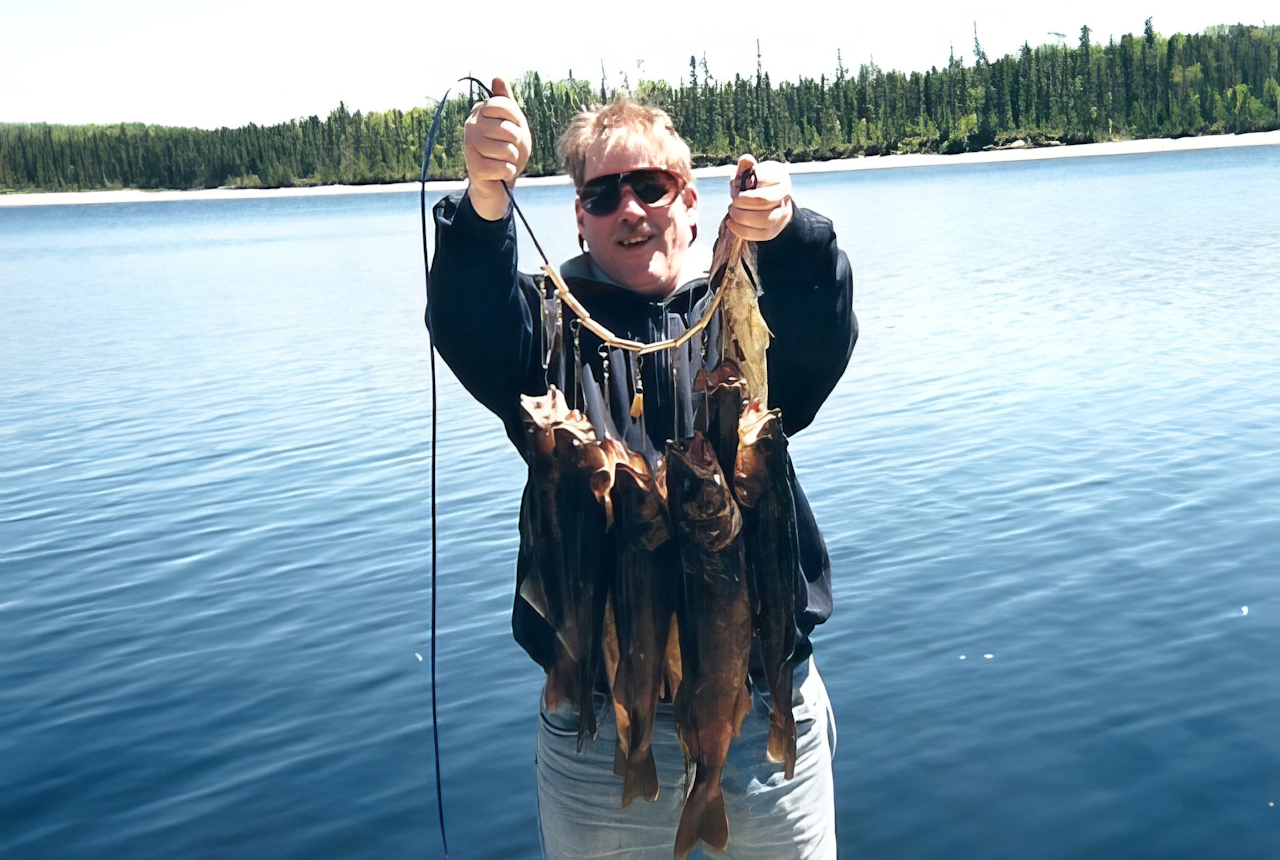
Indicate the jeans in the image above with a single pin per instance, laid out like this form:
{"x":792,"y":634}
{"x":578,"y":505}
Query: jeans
{"x":770,"y":818}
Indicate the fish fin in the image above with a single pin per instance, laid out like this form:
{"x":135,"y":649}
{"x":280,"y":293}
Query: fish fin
{"x":685,"y":729}
{"x":623,"y":720}
{"x":562,"y":677}
{"x":533,"y":594}
{"x":743,"y":708}
{"x":674,"y":671}
{"x":587,"y":728}
{"x":704,"y":818}
{"x":782,"y":742}
{"x":789,"y":754}
{"x":553,"y":693}
{"x":641,"y":779}
{"x":620,"y":765}
{"x":609,"y":643}
{"x":782,"y":723}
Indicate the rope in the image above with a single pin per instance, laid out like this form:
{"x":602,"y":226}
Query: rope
{"x":603,"y":332}
{"x":745,"y":182}
{"x":431,"y":347}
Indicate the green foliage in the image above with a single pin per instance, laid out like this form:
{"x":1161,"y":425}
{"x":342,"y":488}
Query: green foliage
{"x":1221,"y":80}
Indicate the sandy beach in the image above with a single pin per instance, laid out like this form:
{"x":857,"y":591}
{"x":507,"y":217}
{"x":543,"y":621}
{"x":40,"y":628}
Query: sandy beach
{"x":1127,"y":147}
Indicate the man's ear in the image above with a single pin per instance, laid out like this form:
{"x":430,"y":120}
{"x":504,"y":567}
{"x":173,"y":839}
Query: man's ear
{"x":579,"y":214}
{"x":690,"y":196}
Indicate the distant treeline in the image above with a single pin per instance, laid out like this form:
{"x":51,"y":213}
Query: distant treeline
{"x":1222,"y":80}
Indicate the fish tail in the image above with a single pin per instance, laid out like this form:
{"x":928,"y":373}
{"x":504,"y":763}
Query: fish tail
{"x":620,"y":761}
{"x":641,"y":778}
{"x":782,"y":723}
{"x":782,"y":741}
{"x":586,"y":727}
{"x":622,"y":720}
{"x":704,"y":816}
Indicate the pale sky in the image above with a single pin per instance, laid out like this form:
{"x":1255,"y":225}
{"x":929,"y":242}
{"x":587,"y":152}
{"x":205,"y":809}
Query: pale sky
{"x":231,"y":62}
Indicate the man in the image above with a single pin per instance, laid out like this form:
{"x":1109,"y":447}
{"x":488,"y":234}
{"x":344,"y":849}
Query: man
{"x":641,"y":275}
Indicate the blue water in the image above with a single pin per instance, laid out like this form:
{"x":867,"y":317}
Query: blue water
{"x":1058,"y":444}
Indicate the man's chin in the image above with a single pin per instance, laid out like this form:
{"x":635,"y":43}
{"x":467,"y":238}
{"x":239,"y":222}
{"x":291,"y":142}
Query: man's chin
{"x":651,"y":289}
{"x":643,"y":282}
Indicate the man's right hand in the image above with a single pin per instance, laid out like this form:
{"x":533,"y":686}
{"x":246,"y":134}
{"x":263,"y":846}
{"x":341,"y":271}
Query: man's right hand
{"x":495,"y":144}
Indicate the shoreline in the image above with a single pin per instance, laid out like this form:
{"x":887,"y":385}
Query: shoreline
{"x":875,"y":162}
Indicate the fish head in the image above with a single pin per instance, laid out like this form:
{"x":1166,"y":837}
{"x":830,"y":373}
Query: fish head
{"x":722,"y":251}
{"x":632,"y":470}
{"x":759,"y":426}
{"x":660,"y":479}
{"x":541,"y":415}
{"x":705,"y":502}
{"x":759,"y":436}
{"x":574,"y":438}
{"x":727,"y":374}
{"x":545,"y":409}
{"x":601,"y":462}
{"x":648,"y":504}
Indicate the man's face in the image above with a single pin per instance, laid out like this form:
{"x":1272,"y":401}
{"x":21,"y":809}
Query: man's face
{"x":650,"y":266}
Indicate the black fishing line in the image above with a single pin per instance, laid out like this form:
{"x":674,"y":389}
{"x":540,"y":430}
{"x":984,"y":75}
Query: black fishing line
{"x":431,"y":348}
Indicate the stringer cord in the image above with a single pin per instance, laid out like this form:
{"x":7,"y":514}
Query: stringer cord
{"x":431,"y":348}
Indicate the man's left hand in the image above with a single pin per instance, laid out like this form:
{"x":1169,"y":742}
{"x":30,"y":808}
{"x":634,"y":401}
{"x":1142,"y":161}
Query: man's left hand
{"x":760,"y":214}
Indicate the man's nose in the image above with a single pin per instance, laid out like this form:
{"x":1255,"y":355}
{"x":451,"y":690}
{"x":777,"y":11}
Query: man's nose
{"x":631,"y":207}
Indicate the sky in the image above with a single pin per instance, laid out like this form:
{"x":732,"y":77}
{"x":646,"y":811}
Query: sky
{"x":228,"y":63}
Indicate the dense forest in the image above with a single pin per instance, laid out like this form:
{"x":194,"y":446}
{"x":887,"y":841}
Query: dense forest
{"x":1223,"y":80}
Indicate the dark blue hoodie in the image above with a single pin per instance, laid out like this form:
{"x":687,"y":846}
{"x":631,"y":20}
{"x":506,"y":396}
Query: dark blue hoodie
{"x":486,"y":319}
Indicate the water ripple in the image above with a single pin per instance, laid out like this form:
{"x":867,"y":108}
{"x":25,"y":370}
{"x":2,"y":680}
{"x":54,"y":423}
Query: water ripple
{"x":1052,"y":446}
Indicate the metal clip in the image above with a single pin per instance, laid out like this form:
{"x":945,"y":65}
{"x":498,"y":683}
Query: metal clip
{"x":637,"y":402}
{"x":603,"y":352}
{"x":550,"y":328}
{"x":576,"y":326}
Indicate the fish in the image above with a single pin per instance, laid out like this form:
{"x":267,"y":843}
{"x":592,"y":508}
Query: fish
{"x":744,"y":334}
{"x":566,"y":528}
{"x":641,"y":614}
{"x":772,"y":542}
{"x":539,"y":521}
{"x":723,"y":393}
{"x":715,"y":634}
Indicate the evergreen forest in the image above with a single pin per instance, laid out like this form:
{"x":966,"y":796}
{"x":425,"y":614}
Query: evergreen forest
{"x":1223,"y":80}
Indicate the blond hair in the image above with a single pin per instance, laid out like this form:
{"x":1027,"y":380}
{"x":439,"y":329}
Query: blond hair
{"x":620,"y":119}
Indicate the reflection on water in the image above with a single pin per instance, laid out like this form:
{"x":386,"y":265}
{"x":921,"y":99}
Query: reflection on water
{"x":1055,"y":445}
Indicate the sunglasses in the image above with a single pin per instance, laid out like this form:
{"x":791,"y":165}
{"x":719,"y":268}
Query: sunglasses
{"x":654,"y":186}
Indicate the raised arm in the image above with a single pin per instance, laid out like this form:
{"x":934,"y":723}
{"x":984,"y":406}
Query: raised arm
{"x":495,"y":145}
{"x":808,"y":304}
{"x":808,"y":292}
{"x":484,"y":314}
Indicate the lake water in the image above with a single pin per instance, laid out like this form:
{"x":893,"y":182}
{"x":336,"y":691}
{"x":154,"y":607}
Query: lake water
{"x":1049,"y":482}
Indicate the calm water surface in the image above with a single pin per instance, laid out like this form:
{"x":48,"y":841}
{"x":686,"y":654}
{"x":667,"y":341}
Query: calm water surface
{"x":1049,"y":481}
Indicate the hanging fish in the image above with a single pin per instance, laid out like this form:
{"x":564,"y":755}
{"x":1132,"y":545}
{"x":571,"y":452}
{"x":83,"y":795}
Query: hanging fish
{"x":772,"y":542}
{"x":715,"y":634}
{"x":641,"y":646}
{"x":744,"y":335}
{"x":720,"y":396}
{"x":566,"y":527}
